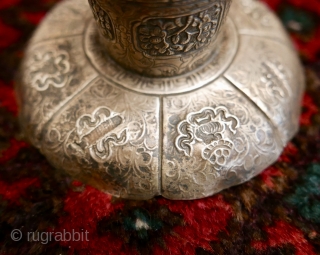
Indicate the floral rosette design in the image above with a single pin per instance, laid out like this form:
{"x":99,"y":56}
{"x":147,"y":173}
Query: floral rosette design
{"x":173,"y":36}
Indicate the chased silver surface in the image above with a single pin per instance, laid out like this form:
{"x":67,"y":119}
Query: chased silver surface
{"x":157,"y":39}
{"x":184,"y":136}
{"x":217,"y":64}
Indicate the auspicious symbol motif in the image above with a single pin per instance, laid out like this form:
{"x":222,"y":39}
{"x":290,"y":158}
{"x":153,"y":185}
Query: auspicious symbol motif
{"x":97,"y":132}
{"x":136,"y":136}
{"x":103,"y":19}
{"x":50,"y":68}
{"x":173,"y":36}
{"x":210,"y":127}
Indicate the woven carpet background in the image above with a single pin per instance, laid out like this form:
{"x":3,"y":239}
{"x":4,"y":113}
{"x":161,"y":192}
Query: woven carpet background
{"x":277,"y":212}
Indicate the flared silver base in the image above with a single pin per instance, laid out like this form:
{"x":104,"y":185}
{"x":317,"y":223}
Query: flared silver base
{"x":183,"y":137}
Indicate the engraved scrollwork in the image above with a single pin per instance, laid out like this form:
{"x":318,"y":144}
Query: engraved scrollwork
{"x":103,"y":19}
{"x":112,"y":141}
{"x":51,"y":68}
{"x":275,"y":80}
{"x":145,"y":43}
{"x":143,"y":84}
{"x":102,"y":133}
{"x":173,"y":36}
{"x":184,"y":137}
{"x":210,"y":127}
{"x":209,"y":148}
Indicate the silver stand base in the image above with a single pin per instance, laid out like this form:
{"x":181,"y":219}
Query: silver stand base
{"x":183,"y":137}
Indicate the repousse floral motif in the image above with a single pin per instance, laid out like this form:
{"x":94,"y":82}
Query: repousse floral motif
{"x":103,"y":19}
{"x":173,"y":36}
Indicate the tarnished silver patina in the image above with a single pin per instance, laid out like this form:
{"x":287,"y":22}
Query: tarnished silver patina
{"x":175,"y":98}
